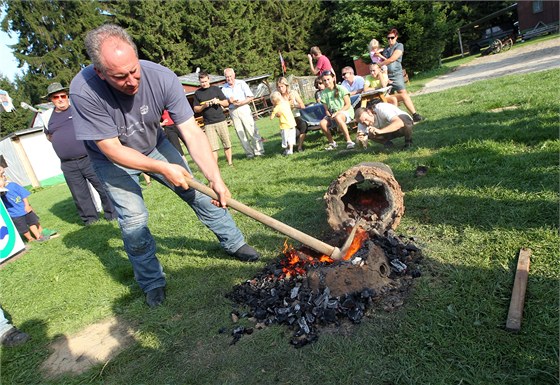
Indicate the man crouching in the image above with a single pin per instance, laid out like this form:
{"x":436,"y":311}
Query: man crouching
{"x":382,"y":123}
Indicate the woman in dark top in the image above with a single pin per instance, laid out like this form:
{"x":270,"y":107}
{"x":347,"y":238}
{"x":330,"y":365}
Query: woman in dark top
{"x":393,"y":53}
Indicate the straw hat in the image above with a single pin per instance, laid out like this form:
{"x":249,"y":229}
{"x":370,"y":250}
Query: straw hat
{"x":53,"y":88}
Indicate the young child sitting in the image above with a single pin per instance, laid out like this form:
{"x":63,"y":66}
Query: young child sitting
{"x":375,"y":54}
{"x":283,"y":111}
{"x":319,"y":86}
{"x":25,"y":220}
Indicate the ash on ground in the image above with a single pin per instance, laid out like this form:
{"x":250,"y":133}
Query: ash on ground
{"x":312,"y":296}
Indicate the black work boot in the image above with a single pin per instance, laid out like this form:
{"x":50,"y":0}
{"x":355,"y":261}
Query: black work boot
{"x":246,"y":254}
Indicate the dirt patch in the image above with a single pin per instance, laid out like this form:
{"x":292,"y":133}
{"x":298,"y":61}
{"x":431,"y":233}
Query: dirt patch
{"x":96,"y":344}
{"x":504,"y":109}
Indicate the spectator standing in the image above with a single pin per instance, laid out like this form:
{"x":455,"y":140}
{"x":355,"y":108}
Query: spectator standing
{"x":119,"y":101}
{"x":394,"y":53}
{"x":283,"y":111}
{"x":353,"y":83}
{"x":210,"y":101}
{"x":74,"y":161}
{"x":239,"y":96}
{"x":384,"y":122}
{"x":296,"y":103}
{"x":323,"y":62}
{"x":339,"y":110}
{"x":172,"y":133}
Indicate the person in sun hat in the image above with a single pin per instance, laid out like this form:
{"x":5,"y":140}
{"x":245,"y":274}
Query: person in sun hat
{"x":74,"y":160}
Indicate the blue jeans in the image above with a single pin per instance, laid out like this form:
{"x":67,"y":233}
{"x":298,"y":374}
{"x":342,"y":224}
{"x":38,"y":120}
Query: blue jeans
{"x":123,"y":187}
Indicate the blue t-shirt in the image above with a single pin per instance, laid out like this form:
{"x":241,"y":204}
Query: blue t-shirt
{"x":13,"y":199}
{"x":356,"y":86}
{"x":63,"y":137}
{"x":102,"y":112}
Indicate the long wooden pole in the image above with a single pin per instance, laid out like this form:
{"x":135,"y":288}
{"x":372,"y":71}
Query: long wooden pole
{"x":515,"y":313}
{"x":315,"y":244}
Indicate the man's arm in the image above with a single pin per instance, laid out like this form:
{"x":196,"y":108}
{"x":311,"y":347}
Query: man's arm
{"x":313,"y":70}
{"x":131,"y":158}
{"x":360,"y":82}
{"x":239,"y":103}
{"x":394,"y":57}
{"x":201,"y":153}
{"x":27,"y":205}
{"x":395,"y":125}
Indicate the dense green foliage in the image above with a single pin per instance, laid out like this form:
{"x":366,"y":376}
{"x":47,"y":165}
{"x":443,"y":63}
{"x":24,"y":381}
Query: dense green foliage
{"x":50,"y":40}
{"x":491,"y":188}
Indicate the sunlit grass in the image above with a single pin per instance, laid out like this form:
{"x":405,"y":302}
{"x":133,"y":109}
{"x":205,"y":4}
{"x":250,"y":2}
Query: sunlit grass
{"x":491,"y":189}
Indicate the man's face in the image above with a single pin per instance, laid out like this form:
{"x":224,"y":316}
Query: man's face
{"x":349,"y":76}
{"x":230,"y":77}
{"x":204,"y":82}
{"x":122,"y":67}
{"x":60,"y":101}
{"x":367,"y":118}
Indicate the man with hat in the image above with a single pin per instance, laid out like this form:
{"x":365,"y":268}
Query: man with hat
{"x":74,"y":160}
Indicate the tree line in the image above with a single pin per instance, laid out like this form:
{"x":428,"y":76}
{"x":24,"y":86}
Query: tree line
{"x":212,"y":35}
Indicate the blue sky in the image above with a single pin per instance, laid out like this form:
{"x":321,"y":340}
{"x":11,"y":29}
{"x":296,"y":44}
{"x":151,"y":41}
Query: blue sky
{"x":9,"y":63}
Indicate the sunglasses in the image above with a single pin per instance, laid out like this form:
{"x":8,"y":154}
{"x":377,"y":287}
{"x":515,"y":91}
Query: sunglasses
{"x":391,"y":37}
{"x":62,"y":96}
{"x":326,"y":73}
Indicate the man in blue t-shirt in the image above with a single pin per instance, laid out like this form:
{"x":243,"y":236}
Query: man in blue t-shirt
{"x":74,"y":160}
{"x":119,"y":100}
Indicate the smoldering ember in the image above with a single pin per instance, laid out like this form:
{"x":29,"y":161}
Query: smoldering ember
{"x":310,"y":292}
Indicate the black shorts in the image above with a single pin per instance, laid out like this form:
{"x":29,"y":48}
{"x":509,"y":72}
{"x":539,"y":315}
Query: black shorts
{"x":22,"y":223}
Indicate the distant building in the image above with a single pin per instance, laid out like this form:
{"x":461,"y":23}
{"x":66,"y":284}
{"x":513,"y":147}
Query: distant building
{"x":537,"y":17}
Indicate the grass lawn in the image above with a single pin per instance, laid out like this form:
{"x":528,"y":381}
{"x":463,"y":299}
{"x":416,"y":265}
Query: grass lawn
{"x":491,"y":189}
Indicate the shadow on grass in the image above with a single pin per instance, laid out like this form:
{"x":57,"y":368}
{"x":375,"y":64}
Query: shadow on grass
{"x":66,"y":211}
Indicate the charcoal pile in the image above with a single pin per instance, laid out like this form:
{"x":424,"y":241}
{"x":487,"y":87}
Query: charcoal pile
{"x":307,"y":293}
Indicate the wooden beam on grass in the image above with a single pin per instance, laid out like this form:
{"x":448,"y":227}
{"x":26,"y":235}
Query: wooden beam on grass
{"x":515,"y":313}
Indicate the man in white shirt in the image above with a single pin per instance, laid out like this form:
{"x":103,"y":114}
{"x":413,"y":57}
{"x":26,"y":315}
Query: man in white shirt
{"x":353,"y":83}
{"x":384,"y":122}
{"x":239,"y":96}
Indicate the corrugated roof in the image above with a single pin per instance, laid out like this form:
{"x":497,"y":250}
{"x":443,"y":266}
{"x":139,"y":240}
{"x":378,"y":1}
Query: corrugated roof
{"x":192,"y":79}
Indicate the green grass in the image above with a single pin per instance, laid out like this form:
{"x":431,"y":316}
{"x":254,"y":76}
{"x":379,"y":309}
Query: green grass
{"x":491,"y":189}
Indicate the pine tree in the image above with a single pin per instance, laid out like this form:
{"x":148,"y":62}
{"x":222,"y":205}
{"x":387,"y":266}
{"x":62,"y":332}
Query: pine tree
{"x":50,"y":39}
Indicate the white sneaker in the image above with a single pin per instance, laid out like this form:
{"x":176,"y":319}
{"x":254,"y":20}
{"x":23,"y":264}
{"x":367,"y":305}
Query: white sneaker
{"x":350,"y":145}
{"x":331,"y":146}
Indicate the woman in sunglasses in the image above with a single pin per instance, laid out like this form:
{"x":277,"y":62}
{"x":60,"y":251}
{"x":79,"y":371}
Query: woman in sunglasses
{"x":336,"y":99}
{"x":393,"y":52}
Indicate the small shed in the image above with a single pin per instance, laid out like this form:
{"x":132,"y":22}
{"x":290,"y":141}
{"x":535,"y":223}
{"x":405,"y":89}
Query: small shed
{"x":30,"y":158}
{"x":537,"y":17}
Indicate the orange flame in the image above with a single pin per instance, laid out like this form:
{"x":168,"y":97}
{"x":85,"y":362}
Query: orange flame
{"x":357,"y":242}
{"x":297,"y":261}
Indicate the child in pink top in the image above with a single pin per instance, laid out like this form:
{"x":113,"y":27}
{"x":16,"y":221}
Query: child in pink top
{"x":375,"y":54}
